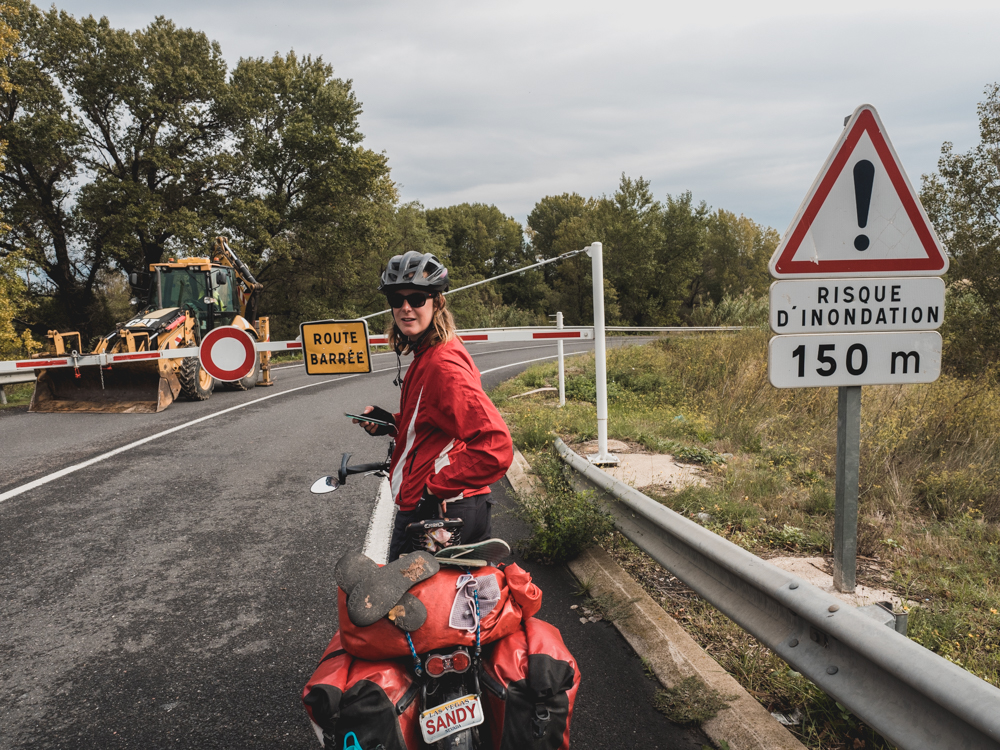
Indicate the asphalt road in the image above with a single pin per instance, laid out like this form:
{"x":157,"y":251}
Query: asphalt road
{"x":180,"y":592}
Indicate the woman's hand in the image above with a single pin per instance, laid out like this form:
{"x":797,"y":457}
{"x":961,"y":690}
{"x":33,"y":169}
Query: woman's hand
{"x":368,"y":427}
{"x":374,"y":428}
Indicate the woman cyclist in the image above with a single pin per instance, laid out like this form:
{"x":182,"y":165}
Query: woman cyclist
{"x":451,"y":443}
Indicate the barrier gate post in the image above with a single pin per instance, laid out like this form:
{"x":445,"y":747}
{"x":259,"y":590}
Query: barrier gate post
{"x":562,"y":364}
{"x":603,"y":458}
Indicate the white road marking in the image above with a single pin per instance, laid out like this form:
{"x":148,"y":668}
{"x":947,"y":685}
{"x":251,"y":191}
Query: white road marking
{"x":380,"y":526}
{"x":104,"y":456}
{"x":516,"y":348}
{"x":117,"y":451}
{"x":515,"y":364}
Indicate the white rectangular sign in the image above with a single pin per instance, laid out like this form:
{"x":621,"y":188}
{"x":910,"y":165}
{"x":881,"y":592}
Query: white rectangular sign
{"x":864,"y":305}
{"x":844,"y":359}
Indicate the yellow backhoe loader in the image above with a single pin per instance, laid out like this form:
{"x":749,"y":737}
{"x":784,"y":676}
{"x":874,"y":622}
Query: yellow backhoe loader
{"x":186,"y":298}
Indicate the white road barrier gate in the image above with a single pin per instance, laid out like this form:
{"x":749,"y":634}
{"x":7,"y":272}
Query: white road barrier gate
{"x":479,"y":335}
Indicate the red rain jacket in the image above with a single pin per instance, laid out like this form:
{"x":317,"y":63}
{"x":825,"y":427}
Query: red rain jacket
{"x":450,"y":438}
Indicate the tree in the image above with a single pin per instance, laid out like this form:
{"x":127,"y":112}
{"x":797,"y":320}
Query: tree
{"x":8,"y":39}
{"x":734,"y":260}
{"x":572,"y":281}
{"x":629,"y":225}
{"x":651,"y":250}
{"x":312,"y":209}
{"x":559,"y":224}
{"x":13,"y":290}
{"x":127,"y":148}
{"x":411,"y":232}
{"x":13,"y":302}
{"x":115,"y":148}
{"x":479,"y":238}
{"x":481,"y":242}
{"x":549,"y":214}
{"x":684,"y":247}
{"x":547,"y":228}
{"x":963,"y":202}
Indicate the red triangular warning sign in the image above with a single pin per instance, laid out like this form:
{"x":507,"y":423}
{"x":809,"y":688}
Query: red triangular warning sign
{"x":861,"y":216}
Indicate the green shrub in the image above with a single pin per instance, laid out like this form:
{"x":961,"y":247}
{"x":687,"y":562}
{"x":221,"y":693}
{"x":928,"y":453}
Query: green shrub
{"x":949,"y":493}
{"x":971,"y":335}
{"x":821,"y":501}
{"x":564,"y":523}
{"x":535,"y":378}
{"x":740,"y":310}
{"x":533,"y":431}
{"x":696,"y":455}
{"x":581,"y":388}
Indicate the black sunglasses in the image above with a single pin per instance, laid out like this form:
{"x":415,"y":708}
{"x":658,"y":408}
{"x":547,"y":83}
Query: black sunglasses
{"x":417,"y":299}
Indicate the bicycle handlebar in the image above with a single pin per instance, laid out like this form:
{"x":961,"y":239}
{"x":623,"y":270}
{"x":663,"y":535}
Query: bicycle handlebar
{"x":346,"y":470}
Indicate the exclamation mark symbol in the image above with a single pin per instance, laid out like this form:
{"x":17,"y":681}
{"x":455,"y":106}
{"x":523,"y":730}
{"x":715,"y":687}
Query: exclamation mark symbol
{"x":864,"y":178}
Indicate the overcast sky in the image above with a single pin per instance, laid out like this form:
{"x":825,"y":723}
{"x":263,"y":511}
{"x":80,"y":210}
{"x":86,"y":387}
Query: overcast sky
{"x":507,"y":102}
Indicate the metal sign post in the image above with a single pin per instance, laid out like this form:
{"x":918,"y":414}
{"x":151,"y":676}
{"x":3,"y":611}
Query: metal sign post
{"x":845,"y":524}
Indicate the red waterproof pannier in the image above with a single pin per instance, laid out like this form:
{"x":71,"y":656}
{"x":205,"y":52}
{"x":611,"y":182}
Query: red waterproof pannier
{"x":519,"y":599}
{"x":377,"y":700}
{"x":530,"y":687}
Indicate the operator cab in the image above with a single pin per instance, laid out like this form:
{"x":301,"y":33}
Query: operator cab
{"x":208,"y":293}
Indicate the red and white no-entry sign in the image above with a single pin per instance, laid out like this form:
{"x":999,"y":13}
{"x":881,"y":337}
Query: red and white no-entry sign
{"x":228,"y":353}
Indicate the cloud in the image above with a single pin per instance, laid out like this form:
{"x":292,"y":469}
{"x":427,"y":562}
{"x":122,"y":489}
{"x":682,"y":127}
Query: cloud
{"x":738,"y":102}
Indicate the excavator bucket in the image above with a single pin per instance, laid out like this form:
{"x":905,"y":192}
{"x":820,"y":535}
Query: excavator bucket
{"x":132,"y":388}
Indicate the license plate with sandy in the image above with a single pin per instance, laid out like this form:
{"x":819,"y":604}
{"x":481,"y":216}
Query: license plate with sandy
{"x":444,"y":720}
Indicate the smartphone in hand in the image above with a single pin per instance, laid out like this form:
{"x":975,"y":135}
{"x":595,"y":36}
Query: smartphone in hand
{"x":366,"y":418}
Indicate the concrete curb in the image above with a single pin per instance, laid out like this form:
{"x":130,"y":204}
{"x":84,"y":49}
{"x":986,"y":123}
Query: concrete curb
{"x":520,"y":477}
{"x":671,"y":653}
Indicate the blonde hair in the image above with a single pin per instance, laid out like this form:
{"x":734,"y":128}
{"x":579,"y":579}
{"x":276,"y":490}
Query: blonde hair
{"x":441,"y":329}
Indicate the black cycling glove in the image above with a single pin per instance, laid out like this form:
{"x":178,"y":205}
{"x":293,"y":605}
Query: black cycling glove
{"x":383,"y":415}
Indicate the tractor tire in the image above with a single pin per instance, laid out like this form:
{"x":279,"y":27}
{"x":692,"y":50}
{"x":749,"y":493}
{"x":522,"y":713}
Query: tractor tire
{"x":244,"y":384}
{"x":196,"y":384}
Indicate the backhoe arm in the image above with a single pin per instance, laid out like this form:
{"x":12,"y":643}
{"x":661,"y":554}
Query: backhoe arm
{"x":247,"y":286}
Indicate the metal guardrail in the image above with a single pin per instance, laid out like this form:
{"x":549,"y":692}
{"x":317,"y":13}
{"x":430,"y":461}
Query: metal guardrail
{"x":913,"y":697}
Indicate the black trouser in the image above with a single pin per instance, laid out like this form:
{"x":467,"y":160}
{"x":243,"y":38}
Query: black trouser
{"x":474,"y":511}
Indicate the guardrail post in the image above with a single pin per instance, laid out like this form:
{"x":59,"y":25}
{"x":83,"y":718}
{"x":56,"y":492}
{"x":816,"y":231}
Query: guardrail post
{"x":845,"y":524}
{"x":596,"y":253}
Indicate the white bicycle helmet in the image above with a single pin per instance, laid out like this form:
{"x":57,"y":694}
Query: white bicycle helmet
{"x":413,"y":270}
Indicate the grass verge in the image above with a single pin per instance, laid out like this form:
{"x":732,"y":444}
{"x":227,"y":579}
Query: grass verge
{"x":929,"y":497}
{"x":18,"y":394}
{"x":691,"y":701}
{"x":284,"y":358}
